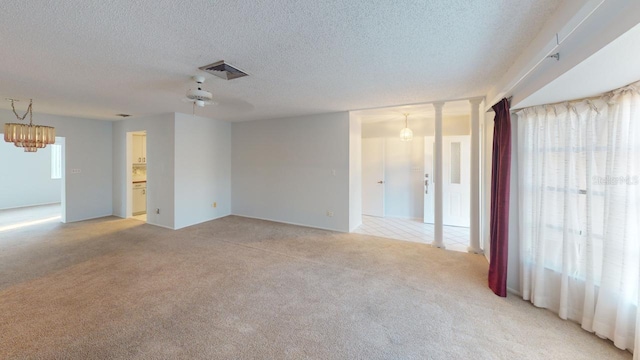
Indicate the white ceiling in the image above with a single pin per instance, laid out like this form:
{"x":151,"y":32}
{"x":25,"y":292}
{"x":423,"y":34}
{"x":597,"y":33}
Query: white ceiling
{"x":96,"y":58}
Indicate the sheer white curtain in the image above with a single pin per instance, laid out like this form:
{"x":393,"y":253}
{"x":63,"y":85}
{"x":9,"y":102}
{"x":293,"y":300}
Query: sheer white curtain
{"x":579,"y":191}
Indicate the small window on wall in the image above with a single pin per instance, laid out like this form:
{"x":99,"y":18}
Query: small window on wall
{"x":455,"y":163}
{"x":56,"y":161}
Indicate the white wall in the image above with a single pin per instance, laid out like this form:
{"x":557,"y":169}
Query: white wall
{"x":355,"y":172}
{"x":89,"y":149}
{"x":283,"y":170}
{"x":160,"y":166}
{"x":486,"y":174}
{"x":25,"y":179}
{"x":451,"y":125}
{"x":202,"y":169}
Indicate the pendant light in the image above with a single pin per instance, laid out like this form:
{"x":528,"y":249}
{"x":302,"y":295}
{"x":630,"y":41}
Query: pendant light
{"x":30,"y":137}
{"x":406,"y":134}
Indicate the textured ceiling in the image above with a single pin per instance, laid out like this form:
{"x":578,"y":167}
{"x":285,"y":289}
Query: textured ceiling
{"x":96,"y":58}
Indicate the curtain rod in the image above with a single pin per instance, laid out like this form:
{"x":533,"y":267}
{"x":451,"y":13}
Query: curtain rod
{"x":553,"y":52}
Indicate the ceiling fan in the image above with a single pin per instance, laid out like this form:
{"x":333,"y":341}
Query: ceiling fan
{"x":198,"y":96}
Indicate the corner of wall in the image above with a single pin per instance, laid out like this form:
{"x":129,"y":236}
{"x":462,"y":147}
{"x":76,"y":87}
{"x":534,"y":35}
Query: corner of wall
{"x":513,"y":272}
{"x":355,"y":172}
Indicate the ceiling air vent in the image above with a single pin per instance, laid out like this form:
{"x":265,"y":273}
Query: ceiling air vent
{"x":224,"y":70}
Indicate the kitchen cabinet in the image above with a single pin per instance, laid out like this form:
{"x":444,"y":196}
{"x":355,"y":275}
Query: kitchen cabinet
{"x":139,"y":152}
{"x":139,"y":198}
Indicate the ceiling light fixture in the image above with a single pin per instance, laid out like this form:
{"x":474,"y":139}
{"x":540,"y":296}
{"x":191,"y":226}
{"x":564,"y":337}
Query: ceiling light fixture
{"x":30,"y":137}
{"x":406,"y":134}
{"x":199,"y":97}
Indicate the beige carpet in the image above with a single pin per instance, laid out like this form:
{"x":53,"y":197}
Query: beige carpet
{"x":237,"y":288}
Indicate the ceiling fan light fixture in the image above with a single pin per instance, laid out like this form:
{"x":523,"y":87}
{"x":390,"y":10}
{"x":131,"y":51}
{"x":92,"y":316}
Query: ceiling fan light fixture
{"x":198,"y":97}
{"x":406,"y":134}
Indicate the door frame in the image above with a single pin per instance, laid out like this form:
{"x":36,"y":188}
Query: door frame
{"x":129,"y":175}
{"x":428,"y":217}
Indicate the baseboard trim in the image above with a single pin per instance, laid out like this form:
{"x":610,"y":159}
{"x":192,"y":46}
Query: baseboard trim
{"x":162,"y":226}
{"x":288,"y":223}
{"x":34,"y":205}
{"x":204,"y":221}
{"x":514,"y":292}
{"x":89,"y":218}
{"x":146,"y":222}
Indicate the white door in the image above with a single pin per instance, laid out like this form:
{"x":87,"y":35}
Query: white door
{"x":373,"y":177}
{"x":429,"y":143}
{"x":456,"y":168}
{"x":456,"y":165}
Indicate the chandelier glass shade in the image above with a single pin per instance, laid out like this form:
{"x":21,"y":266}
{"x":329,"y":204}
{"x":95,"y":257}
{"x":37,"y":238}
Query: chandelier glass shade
{"x":28,"y":136}
{"x":406,"y":134}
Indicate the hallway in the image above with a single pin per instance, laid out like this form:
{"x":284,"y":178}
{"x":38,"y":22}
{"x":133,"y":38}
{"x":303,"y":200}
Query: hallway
{"x":455,"y":238}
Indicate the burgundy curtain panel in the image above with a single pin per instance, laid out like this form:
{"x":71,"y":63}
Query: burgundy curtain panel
{"x":500,"y":182}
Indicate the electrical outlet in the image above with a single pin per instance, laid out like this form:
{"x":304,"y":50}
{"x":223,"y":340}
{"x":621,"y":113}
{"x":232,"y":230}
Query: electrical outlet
{"x":157,"y":211}
{"x":329,"y":213}
{"x":76,"y":171}
{"x":215,"y":204}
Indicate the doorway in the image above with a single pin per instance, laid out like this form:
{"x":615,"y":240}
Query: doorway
{"x":398,"y":187}
{"x":34,"y":191}
{"x":137,"y":175}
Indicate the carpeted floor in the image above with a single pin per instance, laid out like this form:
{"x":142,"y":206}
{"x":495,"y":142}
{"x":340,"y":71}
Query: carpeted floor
{"x":238,"y":288}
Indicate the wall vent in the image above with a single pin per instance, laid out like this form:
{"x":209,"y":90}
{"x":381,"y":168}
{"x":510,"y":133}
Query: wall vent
{"x":223,"y":70}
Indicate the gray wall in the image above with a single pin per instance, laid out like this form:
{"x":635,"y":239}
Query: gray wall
{"x":202,"y":169}
{"x":160,"y":166}
{"x":355,"y":172}
{"x":283,"y":170}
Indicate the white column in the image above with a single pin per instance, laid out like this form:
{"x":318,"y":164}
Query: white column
{"x":474,"y":230}
{"x":437,"y":179}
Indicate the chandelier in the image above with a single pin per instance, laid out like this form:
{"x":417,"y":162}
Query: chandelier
{"x":406,"y":134}
{"x":30,"y":137}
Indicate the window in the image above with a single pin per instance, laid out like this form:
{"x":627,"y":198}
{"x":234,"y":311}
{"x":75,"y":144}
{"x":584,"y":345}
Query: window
{"x":579,"y":205}
{"x":56,"y":161}
{"x":455,"y":163}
